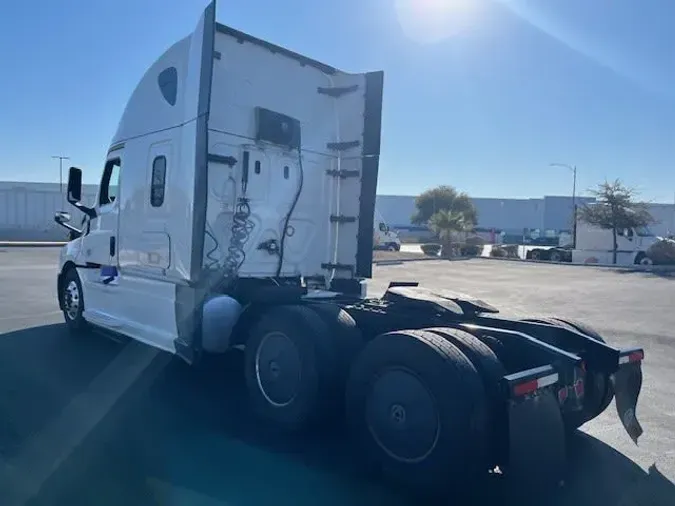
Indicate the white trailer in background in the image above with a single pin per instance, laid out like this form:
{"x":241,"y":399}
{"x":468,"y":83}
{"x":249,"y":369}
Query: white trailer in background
{"x":236,"y":209}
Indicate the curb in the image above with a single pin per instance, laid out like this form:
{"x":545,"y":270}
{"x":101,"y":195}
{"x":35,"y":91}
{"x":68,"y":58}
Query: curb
{"x":31,"y":244}
{"x":423,"y":259}
{"x":628,"y":268}
{"x":637,"y":268}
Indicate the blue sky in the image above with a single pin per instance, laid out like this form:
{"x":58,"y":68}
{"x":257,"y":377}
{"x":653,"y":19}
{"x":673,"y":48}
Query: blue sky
{"x":479,"y":94}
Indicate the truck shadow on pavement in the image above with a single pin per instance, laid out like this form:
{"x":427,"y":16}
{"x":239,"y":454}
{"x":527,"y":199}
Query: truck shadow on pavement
{"x":184,"y":435}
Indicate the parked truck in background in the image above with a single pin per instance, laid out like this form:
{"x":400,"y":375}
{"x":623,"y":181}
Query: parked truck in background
{"x":593,"y":244}
{"x":384,"y":238}
{"x":235,"y":209}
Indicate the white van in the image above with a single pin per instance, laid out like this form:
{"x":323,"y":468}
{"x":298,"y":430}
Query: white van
{"x":385,"y":238}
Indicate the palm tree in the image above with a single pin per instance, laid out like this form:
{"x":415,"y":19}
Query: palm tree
{"x":446,"y":224}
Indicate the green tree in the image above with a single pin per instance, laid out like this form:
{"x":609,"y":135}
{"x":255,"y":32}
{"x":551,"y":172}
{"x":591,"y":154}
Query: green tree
{"x":615,"y":209}
{"x":445,"y":224}
{"x":443,"y":198}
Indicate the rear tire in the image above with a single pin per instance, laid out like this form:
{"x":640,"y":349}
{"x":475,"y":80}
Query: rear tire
{"x":599,"y":390}
{"x":556,"y":256}
{"x":602,"y":386}
{"x":417,"y":408}
{"x":346,"y":339}
{"x":491,"y":372}
{"x":292,"y":368}
{"x":72,"y":301}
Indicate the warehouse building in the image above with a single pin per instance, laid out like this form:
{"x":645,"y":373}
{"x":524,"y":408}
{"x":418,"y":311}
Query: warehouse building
{"x":27,"y":211}
{"x":550,"y":213}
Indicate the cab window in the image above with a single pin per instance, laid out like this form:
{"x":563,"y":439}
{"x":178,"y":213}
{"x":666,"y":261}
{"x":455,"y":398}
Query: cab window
{"x":110,"y":182}
{"x":383,"y":227}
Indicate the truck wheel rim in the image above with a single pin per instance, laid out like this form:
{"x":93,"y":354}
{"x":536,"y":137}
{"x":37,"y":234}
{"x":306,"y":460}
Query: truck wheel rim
{"x":278,"y":369}
{"x":402,"y":416}
{"x":71,"y":300}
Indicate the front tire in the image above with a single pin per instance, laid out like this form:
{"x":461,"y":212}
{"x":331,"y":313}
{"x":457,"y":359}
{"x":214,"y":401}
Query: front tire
{"x":417,"y":408}
{"x":643,"y":259}
{"x":72,"y":301}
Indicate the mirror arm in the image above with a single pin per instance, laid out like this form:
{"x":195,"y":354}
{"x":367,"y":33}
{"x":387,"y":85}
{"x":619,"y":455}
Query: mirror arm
{"x":89,"y":211}
{"x":68,"y":226}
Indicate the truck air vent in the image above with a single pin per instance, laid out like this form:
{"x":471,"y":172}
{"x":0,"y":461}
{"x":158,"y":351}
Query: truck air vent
{"x":343,"y":146}
{"x":337,"y":91}
{"x":168,"y":84}
{"x":277,"y":128}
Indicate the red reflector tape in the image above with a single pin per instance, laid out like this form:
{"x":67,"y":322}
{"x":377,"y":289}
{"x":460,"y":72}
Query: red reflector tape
{"x":525,"y":388}
{"x":636,"y":356}
{"x":579,"y":388}
{"x":562,"y":395}
{"x":530,"y":386}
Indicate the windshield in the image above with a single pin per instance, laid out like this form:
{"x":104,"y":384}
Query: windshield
{"x":644,"y":232}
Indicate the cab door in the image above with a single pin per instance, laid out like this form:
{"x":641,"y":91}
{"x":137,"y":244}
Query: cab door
{"x":99,"y":248}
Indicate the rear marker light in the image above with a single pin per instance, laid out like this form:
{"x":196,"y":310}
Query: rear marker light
{"x":562,"y":395}
{"x":636,"y":356}
{"x":579,"y":388}
{"x":530,"y":386}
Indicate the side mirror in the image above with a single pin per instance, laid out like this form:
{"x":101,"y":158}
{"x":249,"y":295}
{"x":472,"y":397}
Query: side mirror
{"x":75,"y":192}
{"x":74,"y":185}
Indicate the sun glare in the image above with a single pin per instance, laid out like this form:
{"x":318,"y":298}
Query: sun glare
{"x":442,"y":6}
{"x":429,"y":21}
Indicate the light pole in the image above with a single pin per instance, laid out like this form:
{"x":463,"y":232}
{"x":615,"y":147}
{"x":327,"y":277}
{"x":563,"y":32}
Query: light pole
{"x":573,"y":168}
{"x":61,"y":158}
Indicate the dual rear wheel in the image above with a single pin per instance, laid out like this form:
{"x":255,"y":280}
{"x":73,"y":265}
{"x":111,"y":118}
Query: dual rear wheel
{"x":421,"y":405}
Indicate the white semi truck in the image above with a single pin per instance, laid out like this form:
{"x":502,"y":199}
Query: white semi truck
{"x":236,"y":208}
{"x":596,"y":245}
{"x":593,"y":244}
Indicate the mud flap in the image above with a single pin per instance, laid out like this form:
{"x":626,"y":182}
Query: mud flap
{"x":537,"y":456}
{"x":627,"y":385}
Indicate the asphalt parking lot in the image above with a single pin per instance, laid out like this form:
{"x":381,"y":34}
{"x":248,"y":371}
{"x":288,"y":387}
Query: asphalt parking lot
{"x":92,"y":421}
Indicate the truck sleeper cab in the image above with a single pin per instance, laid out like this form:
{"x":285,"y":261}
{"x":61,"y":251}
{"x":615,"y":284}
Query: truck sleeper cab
{"x":236,"y":208}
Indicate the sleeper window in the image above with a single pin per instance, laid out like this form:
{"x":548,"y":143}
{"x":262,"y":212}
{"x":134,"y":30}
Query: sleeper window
{"x":158,"y":181}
